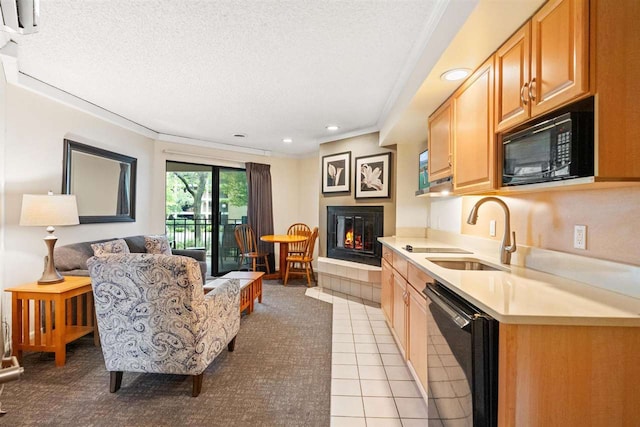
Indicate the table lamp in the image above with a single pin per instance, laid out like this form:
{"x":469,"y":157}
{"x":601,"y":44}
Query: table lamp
{"x":47,"y":211}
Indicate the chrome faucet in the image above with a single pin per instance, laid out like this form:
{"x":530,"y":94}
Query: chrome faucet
{"x":506,"y":249}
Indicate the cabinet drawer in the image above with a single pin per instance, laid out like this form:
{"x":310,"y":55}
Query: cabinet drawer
{"x":400,"y":264}
{"x":418,"y":278}
{"x":387,"y":254}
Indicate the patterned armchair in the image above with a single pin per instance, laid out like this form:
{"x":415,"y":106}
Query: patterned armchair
{"x":153,"y":315}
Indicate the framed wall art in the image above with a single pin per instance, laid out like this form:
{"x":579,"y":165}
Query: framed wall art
{"x":336,"y":173}
{"x":373,"y":174}
{"x":423,"y":171}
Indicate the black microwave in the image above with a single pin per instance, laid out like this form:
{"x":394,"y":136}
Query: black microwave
{"x":554,"y":149}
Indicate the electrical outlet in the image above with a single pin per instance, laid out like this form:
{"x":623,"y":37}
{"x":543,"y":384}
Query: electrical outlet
{"x":492,"y":228}
{"x":580,"y":237}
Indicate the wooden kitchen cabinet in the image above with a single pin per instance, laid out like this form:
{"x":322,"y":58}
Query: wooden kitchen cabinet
{"x":387,"y":255}
{"x":568,"y":375}
{"x":567,"y":51}
{"x":617,"y":69}
{"x":417,"y":334}
{"x":386,"y":291}
{"x":512,"y":80}
{"x":544,"y":65}
{"x":439,"y":143}
{"x":473,"y":136}
{"x":559,"y":54}
{"x":405,"y":308}
{"x":400,"y":300}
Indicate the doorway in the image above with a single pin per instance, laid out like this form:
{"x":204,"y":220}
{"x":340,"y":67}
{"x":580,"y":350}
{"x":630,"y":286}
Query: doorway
{"x":203,"y":205}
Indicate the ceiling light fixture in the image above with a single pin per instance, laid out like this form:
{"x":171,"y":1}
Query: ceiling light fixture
{"x":332,"y":127}
{"x":240,"y":135}
{"x":287,"y":140}
{"x":455,"y":74}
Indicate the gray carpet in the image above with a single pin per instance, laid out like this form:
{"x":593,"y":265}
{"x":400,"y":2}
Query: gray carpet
{"x":278,"y":375}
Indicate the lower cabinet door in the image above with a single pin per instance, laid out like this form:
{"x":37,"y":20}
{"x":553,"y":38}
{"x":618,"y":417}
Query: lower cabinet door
{"x":386,"y":293}
{"x":399,"y":311}
{"x":418,"y":334}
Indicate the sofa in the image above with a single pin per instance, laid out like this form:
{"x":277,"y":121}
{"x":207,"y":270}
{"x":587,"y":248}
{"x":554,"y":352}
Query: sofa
{"x":71,"y":260}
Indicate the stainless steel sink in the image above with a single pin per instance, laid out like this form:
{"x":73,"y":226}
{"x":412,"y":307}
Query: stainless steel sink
{"x":464,"y":264}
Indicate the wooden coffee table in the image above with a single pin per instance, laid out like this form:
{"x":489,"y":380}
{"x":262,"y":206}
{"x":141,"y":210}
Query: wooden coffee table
{"x":250,"y":287}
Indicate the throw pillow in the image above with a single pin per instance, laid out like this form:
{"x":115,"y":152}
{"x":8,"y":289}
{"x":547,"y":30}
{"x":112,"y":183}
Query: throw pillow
{"x":157,"y":245}
{"x":118,"y":246}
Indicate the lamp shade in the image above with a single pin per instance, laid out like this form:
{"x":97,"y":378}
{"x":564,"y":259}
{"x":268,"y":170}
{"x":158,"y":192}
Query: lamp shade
{"x":52,"y":209}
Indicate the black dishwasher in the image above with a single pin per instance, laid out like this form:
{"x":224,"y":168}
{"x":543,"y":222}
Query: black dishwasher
{"x":462,"y":360}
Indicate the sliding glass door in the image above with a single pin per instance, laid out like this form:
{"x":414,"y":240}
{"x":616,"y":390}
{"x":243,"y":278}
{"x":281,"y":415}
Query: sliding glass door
{"x":204,"y":203}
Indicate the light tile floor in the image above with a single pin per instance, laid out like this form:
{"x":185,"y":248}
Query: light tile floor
{"x":371,"y":385}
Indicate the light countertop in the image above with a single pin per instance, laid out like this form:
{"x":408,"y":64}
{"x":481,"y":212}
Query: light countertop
{"x":522,"y":295}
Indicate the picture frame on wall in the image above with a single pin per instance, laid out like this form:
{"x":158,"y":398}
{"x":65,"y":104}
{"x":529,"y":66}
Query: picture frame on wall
{"x":423,"y":170}
{"x":373,"y":176}
{"x":336,"y":173}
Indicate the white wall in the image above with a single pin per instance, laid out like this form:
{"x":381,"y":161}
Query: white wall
{"x":445,"y":213}
{"x":5,"y":302}
{"x":308,"y":178}
{"x":411,"y":211}
{"x":35,"y":129}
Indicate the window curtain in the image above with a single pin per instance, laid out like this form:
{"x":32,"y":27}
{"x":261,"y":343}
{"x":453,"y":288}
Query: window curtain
{"x":260,"y":205}
{"x":123,"y":190}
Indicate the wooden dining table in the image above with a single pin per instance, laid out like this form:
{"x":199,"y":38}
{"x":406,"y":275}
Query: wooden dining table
{"x":284,"y":240}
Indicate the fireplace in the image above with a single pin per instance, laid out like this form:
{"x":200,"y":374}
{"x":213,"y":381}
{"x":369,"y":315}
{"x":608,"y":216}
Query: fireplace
{"x":353,"y":231}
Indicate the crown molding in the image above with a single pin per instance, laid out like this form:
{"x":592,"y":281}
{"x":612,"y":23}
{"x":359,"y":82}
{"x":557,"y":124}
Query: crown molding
{"x":211,"y":144}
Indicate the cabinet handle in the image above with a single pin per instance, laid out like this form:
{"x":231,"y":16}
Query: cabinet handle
{"x":522,"y":98}
{"x":532,"y":90}
{"x":449,"y":160}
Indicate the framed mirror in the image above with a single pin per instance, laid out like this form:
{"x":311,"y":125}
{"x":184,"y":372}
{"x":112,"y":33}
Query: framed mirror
{"x":104,"y":183}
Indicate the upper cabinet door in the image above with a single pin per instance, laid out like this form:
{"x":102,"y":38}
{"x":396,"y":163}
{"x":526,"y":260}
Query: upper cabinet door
{"x":512,"y":80}
{"x":439,"y":143}
{"x":473,"y":138}
{"x":559,"y":54}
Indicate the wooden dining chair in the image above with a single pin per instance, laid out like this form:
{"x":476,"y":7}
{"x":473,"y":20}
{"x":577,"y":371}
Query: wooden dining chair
{"x":298,"y":229}
{"x":246,"y":239}
{"x":303,"y":260}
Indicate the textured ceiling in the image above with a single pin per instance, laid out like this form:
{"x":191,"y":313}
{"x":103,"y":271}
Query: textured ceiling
{"x":210,"y":69}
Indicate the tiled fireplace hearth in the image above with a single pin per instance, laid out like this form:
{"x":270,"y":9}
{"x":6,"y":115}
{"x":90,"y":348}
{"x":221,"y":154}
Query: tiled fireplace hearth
{"x":350,"y":278}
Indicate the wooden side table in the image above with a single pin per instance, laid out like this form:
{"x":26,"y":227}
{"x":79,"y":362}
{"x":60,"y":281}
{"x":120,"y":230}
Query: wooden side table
{"x":43,"y":317}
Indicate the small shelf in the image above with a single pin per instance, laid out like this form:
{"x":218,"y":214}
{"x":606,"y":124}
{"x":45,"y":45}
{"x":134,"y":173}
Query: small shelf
{"x":74,"y":332}
{"x":587,"y":183}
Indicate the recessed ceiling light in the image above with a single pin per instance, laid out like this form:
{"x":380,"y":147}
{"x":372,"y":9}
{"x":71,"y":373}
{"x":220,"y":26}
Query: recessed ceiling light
{"x":455,"y":74}
{"x":333,"y":127}
{"x":287,"y":140}
{"x":240,"y":135}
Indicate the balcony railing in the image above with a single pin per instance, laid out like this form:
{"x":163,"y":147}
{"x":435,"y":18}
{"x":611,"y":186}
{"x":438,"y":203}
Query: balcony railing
{"x":186,"y":233}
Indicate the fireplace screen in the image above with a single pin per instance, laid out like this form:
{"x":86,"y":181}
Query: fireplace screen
{"x":352,"y":233}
